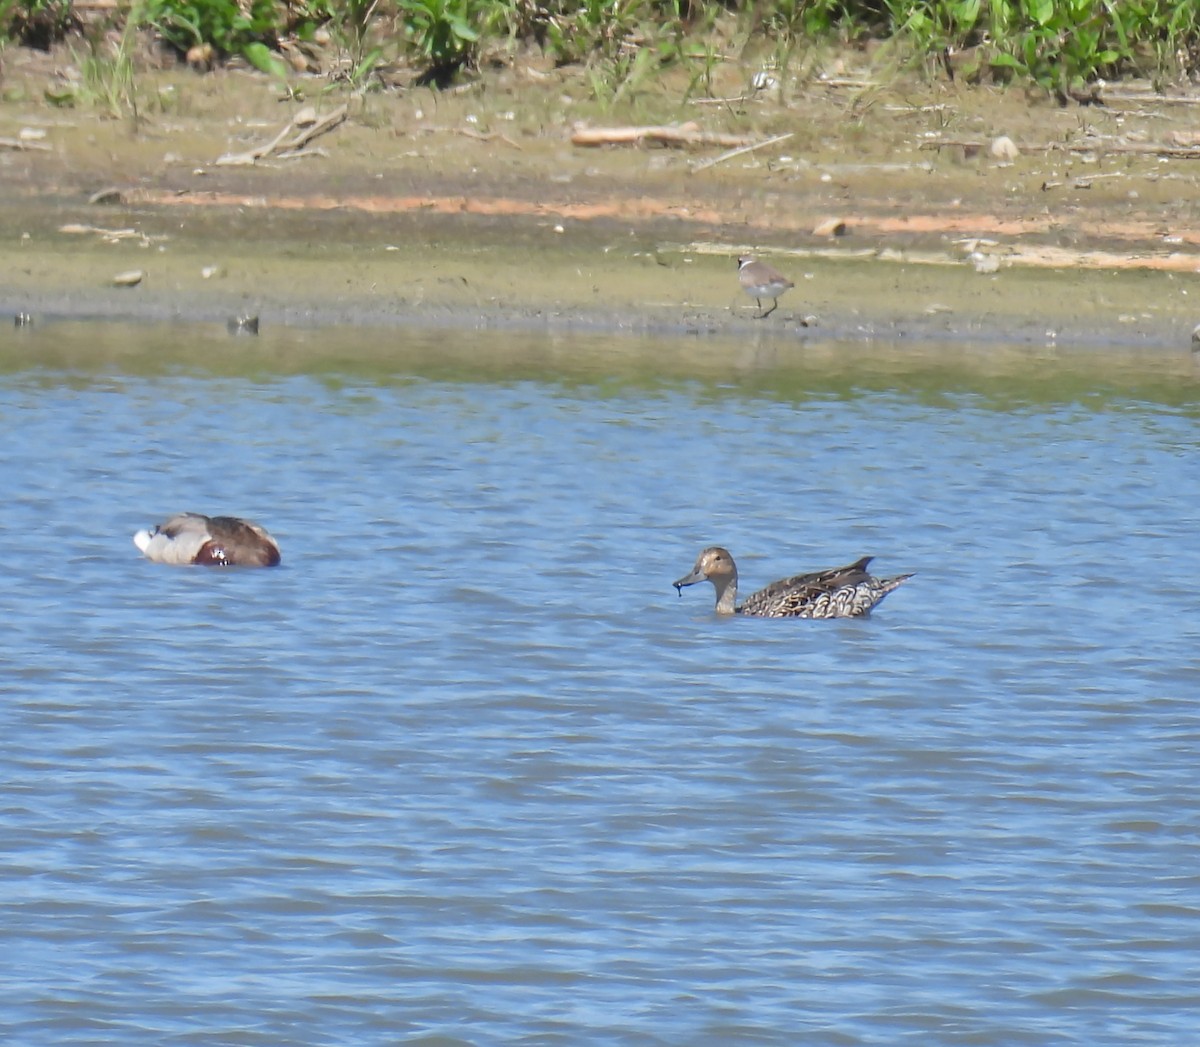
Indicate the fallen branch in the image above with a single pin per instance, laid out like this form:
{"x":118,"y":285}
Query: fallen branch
{"x":1179,"y":152}
{"x":304,"y":154}
{"x":468,"y":132}
{"x":21,"y":145}
{"x":741,"y":151}
{"x":111,"y":236}
{"x":327,"y":123}
{"x":731,"y":100}
{"x":1150,"y":99}
{"x":278,"y":145}
{"x":687,"y":134}
{"x":253,"y":155}
{"x":941,"y":107}
{"x":843,"y":81}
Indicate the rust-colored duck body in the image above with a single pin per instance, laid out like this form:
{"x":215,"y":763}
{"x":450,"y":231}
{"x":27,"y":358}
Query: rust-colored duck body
{"x":214,"y":541}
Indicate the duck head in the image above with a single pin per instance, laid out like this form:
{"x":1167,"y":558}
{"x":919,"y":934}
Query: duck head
{"x":714,"y":565}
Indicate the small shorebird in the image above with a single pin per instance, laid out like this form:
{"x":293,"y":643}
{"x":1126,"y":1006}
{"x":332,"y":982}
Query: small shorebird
{"x":843,"y":592}
{"x":215,"y":541}
{"x":761,"y":281}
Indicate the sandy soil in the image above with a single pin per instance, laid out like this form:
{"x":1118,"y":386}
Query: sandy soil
{"x":475,"y":208}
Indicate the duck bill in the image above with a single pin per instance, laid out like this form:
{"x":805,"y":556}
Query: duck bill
{"x":689,"y":579}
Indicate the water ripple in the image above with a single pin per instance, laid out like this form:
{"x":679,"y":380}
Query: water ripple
{"x":467,"y":770}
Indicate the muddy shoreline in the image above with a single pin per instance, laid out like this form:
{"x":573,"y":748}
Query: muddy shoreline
{"x":403,"y":220}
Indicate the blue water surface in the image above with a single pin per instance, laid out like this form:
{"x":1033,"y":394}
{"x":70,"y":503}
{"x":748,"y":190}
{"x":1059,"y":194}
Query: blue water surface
{"x":465,"y":770}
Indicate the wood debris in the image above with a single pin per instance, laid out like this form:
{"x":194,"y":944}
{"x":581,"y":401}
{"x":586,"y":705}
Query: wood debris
{"x":1179,"y":152}
{"x":741,"y":151}
{"x":108,"y":195}
{"x":468,"y":132}
{"x":681,"y":135}
{"x":111,"y":236}
{"x":731,"y":100}
{"x":284,"y":148}
{"x":24,"y":144}
{"x":830,"y":227}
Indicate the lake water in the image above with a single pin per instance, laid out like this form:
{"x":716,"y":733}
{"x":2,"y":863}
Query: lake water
{"x":465,"y":770}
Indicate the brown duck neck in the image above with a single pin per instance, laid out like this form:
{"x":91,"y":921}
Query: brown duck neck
{"x":726,"y":594}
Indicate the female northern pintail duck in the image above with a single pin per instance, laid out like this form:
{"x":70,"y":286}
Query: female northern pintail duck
{"x":216,"y":541}
{"x":843,"y":592}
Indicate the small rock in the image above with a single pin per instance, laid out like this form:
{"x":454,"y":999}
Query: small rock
{"x":306,"y":117}
{"x":984,"y":263}
{"x":1085,"y":93}
{"x":111,"y":195}
{"x":1005,"y":149}
{"x":201,"y":57}
{"x":830,"y":227}
{"x":242,"y":324}
{"x":129,"y":278}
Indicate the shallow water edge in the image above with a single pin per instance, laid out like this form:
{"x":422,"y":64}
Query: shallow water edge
{"x":333,"y":268}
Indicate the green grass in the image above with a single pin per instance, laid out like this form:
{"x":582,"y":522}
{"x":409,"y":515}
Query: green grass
{"x":623,"y":46}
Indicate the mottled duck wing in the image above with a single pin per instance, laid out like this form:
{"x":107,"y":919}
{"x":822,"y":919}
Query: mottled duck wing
{"x":791,"y":596}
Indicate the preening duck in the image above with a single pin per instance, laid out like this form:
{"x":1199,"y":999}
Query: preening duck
{"x":843,"y":592}
{"x":215,"y":541}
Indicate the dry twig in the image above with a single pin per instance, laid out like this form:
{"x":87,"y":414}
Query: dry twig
{"x":279,"y":147}
{"x":741,"y":151}
{"x":111,"y":236}
{"x":686,"y":134}
{"x":21,"y":145}
{"x":1179,"y":152}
